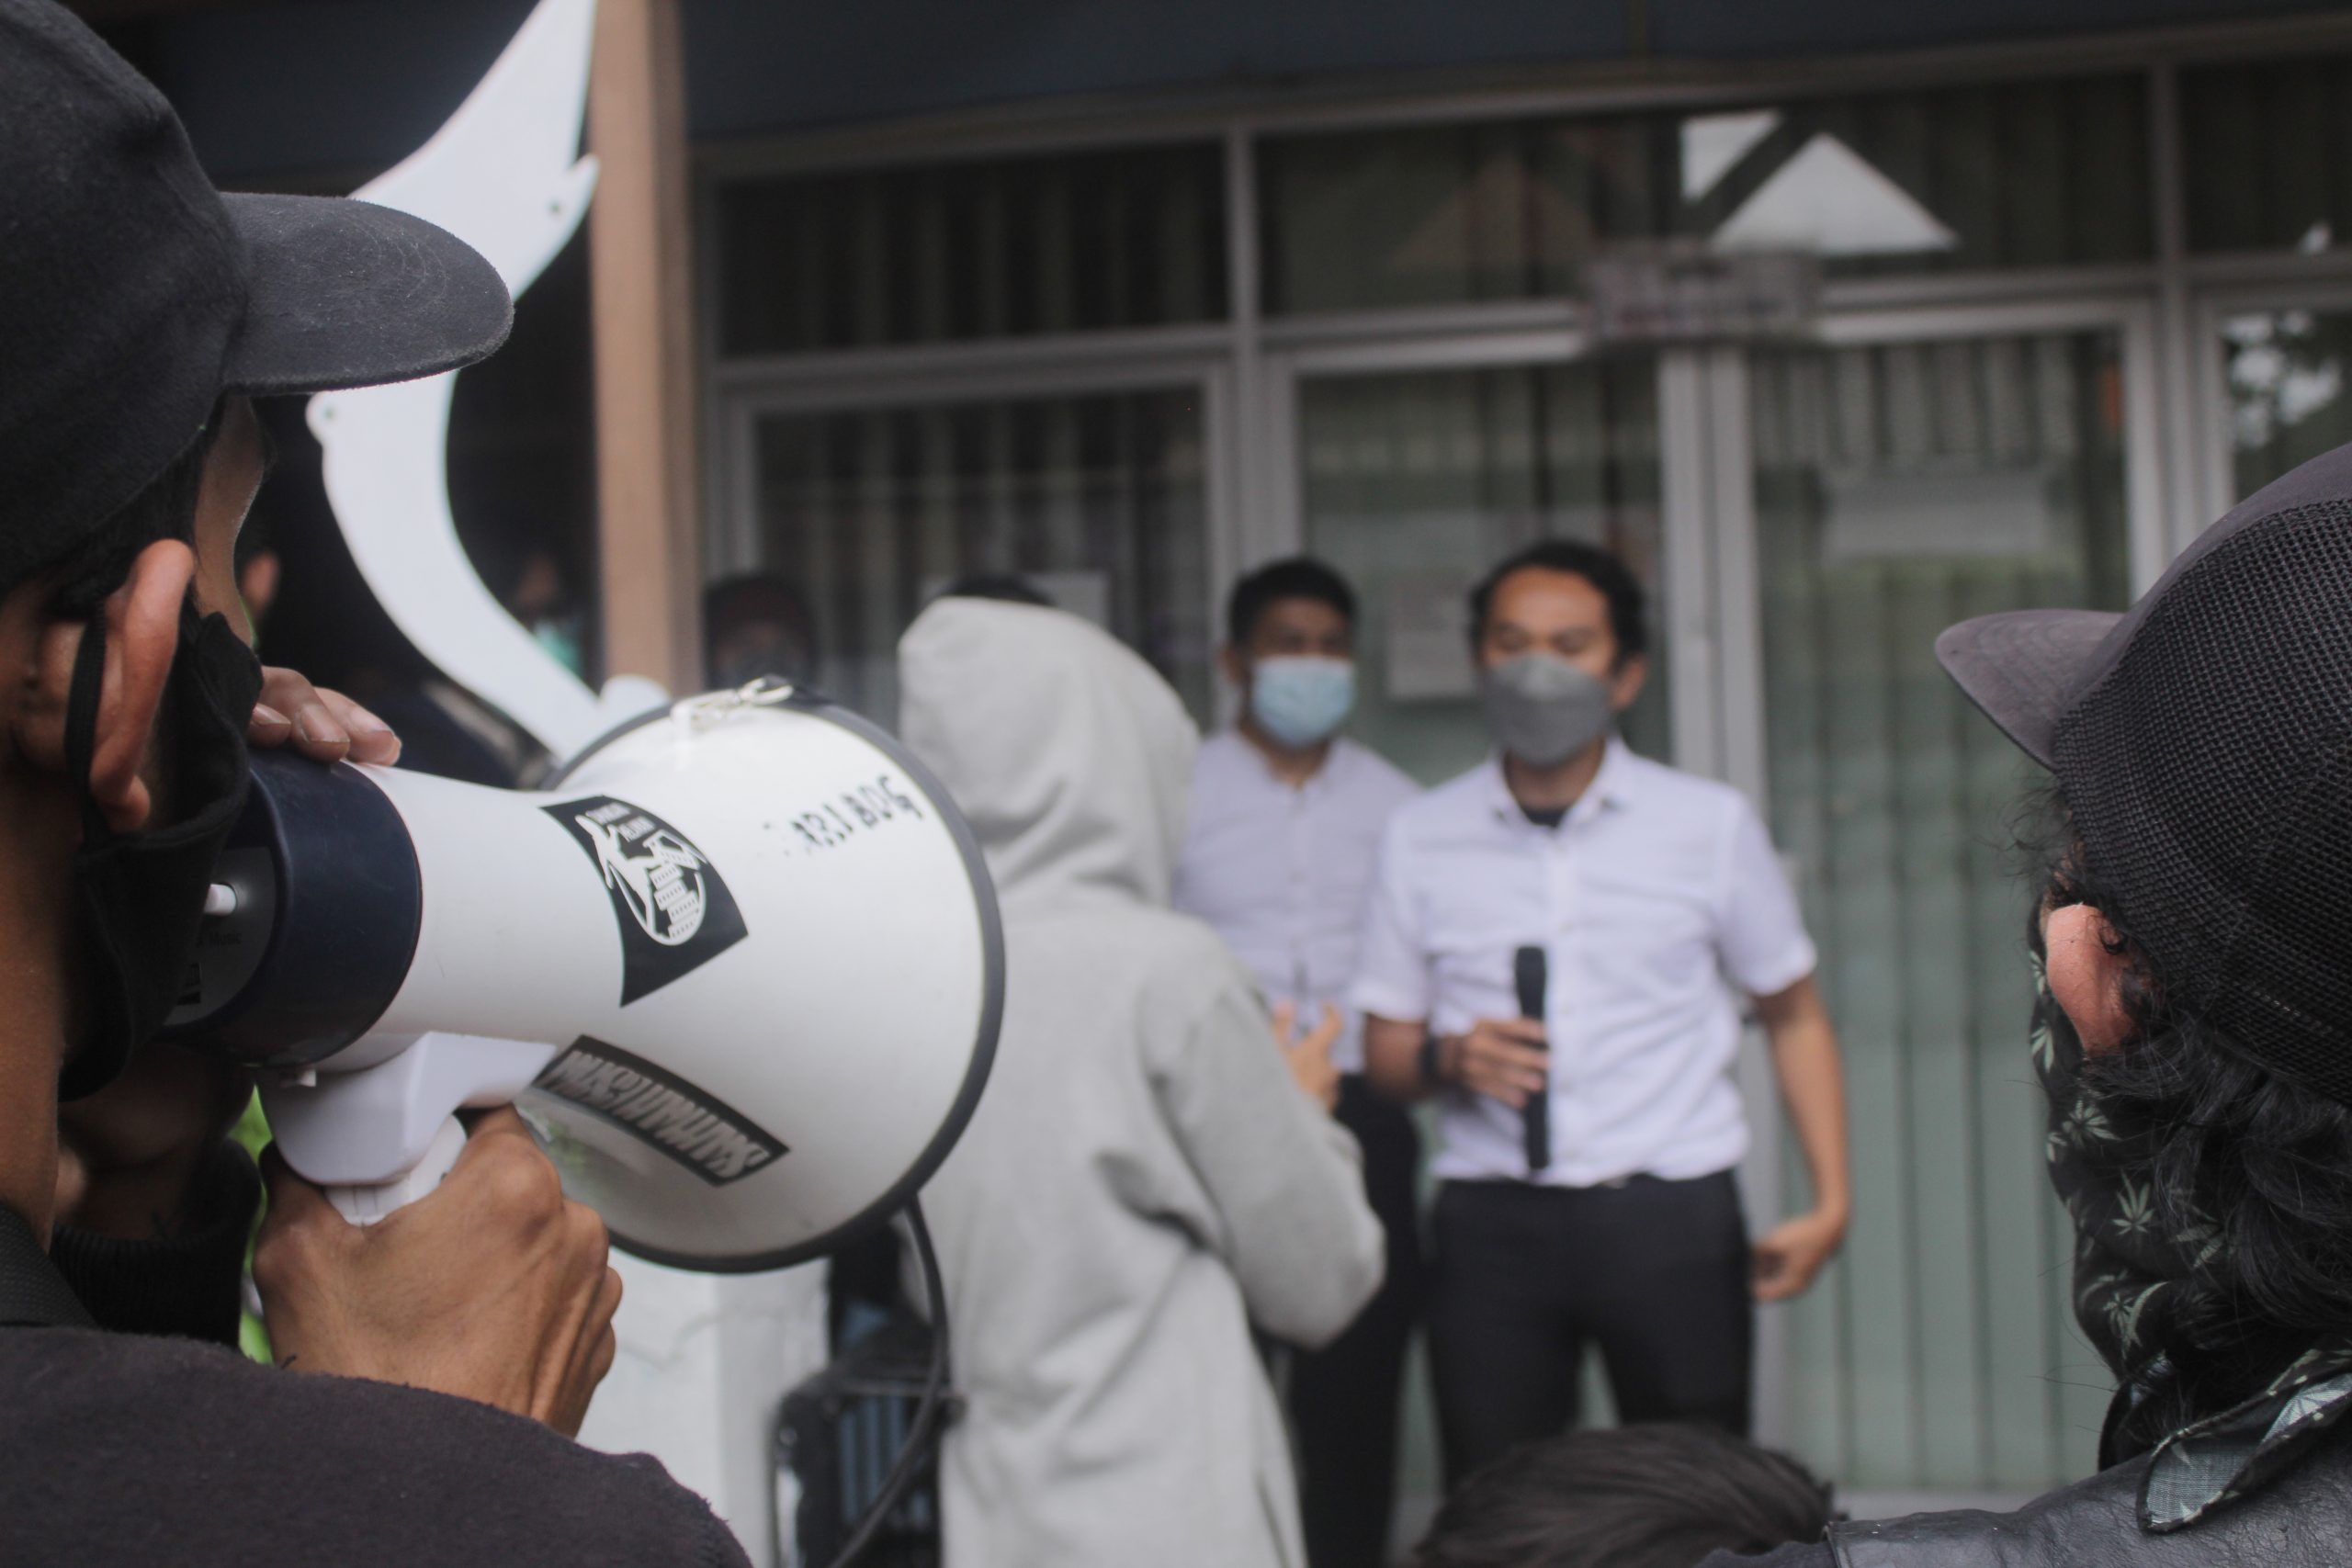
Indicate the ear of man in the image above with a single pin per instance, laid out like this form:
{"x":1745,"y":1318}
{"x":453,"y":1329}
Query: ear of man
{"x":2086,"y":967}
{"x":142,"y":622}
{"x":1626,"y":682}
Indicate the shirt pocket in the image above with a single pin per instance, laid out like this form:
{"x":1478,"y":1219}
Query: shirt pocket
{"x":1471,"y":962}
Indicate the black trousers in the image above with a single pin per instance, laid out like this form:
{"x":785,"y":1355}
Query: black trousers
{"x":1655,"y":1273}
{"x":1344,"y":1398}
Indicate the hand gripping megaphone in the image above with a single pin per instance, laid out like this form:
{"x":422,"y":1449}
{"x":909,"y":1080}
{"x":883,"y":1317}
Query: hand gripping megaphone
{"x":739,"y":967}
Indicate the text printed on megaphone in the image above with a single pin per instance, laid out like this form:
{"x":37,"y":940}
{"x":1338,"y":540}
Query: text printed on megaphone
{"x":870,"y":806}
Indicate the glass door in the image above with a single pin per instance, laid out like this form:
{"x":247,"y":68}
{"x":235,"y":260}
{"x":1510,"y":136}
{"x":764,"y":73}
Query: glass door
{"x":1809,"y":516}
{"x":2279,"y":381}
{"x":1413,"y":471}
{"x":1100,"y":497}
{"x":1413,"y":481}
{"x":1898,"y":486}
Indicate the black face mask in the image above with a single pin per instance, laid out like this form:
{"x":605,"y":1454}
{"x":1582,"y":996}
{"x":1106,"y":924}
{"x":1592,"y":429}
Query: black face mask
{"x":142,"y":895}
{"x":2143,"y":1301}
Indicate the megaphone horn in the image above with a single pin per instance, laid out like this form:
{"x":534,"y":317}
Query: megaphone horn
{"x":738,"y":966}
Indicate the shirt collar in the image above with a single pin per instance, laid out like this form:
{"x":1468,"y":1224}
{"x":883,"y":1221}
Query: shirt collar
{"x":1261,"y":767}
{"x":2213,"y":1463}
{"x":1613,"y":788}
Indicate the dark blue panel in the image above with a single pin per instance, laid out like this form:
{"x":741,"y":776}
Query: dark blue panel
{"x":1726,"y":28}
{"x":352,"y":85}
{"x":342,"y":85}
{"x":760,"y":64}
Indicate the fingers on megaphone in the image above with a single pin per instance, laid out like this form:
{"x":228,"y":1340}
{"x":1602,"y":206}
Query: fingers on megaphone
{"x":500,"y":1172}
{"x":323,"y":726}
{"x":518,"y":1179}
{"x":608,"y":1303}
{"x":595,"y":1347}
{"x":508,"y":1185}
{"x":493,"y":1287}
{"x":294,"y":1204}
{"x":1285,"y":1022}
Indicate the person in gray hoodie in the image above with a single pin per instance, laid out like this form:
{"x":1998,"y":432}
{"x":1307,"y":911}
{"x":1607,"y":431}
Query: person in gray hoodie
{"x":1143,"y":1179}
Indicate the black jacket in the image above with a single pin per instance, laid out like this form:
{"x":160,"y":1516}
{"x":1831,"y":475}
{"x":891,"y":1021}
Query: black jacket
{"x":121,"y":1448}
{"x":2303,"y":1519}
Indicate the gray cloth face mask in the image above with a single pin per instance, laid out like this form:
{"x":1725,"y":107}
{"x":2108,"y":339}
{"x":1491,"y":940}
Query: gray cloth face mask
{"x":1542,"y":709}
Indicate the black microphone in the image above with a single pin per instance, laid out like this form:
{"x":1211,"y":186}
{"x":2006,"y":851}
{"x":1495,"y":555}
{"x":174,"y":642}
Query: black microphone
{"x":1531,"y":973}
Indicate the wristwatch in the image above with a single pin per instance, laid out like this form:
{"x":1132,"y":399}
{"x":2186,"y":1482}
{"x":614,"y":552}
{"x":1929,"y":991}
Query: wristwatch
{"x":1432,"y":1054}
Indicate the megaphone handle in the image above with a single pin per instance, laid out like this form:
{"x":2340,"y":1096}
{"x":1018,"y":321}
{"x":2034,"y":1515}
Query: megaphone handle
{"x":365,"y":1205}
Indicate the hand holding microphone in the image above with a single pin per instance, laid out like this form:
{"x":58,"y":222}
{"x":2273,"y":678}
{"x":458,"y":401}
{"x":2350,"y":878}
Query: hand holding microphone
{"x":1508,"y":1059}
{"x":1503,"y":1058}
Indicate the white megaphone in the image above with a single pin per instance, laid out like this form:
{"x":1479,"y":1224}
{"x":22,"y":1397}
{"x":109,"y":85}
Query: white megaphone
{"x":738,"y":966}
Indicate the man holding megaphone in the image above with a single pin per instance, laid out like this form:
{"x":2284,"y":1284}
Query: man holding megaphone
{"x":139,"y":308}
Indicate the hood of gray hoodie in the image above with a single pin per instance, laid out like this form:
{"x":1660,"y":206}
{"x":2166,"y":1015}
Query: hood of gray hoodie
{"x":1142,"y":1180}
{"x":1068,"y":753}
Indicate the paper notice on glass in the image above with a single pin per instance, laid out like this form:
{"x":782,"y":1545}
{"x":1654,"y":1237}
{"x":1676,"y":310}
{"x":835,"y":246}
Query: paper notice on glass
{"x":1086,"y":593}
{"x":1427,"y":641}
{"x":1990,"y":514}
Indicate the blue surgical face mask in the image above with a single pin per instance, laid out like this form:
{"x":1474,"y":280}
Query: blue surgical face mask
{"x":1302,"y":701}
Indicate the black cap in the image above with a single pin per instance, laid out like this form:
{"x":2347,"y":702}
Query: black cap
{"x":2203,"y":742}
{"x":132,"y":293}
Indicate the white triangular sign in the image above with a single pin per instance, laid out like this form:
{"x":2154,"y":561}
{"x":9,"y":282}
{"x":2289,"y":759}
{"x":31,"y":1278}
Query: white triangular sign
{"x":1829,"y":201}
{"x":1711,"y":143}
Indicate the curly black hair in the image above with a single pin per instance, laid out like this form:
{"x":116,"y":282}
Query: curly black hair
{"x":2219,"y":1138}
{"x":1652,"y":1496}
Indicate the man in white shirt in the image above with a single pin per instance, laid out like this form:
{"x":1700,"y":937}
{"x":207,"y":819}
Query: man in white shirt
{"x":1278,"y":857}
{"x":1589,"y":1132}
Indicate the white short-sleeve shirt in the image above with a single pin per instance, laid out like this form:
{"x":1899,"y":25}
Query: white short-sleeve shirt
{"x":1657,"y":902}
{"x":1282,"y":872}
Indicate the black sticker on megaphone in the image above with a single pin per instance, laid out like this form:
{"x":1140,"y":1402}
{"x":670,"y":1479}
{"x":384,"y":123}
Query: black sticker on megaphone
{"x":699,"y":1131}
{"x":673,"y":910}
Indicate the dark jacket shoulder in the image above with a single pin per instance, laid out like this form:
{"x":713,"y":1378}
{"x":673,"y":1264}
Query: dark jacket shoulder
{"x":120,"y":1450}
{"x":1796,"y":1554}
{"x":2303,"y":1519}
